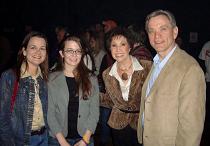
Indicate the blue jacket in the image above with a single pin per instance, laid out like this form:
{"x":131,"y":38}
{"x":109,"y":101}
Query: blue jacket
{"x":15,"y":126}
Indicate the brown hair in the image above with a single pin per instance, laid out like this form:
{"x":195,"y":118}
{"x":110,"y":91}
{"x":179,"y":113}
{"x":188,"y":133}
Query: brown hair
{"x":21,"y":57}
{"x":166,"y":13}
{"x":81,"y":72}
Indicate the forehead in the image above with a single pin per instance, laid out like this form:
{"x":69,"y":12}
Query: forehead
{"x":158,"y":21}
{"x":37,"y":40}
{"x":119,"y":38}
{"x":72,"y":44}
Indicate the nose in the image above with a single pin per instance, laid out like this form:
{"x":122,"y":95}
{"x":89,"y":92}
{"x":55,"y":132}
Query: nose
{"x":39,"y":50}
{"x":157,"y":35}
{"x":118,"y":48}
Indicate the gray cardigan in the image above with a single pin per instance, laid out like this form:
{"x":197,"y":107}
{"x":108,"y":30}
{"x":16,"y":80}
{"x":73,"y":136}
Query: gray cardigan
{"x":58,"y":99}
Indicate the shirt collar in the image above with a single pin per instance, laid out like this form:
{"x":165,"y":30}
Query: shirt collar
{"x":25,"y":73}
{"x":135,"y":63}
{"x":161,"y":63}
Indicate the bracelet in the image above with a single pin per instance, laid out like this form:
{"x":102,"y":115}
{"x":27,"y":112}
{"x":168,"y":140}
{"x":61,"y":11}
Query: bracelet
{"x":84,"y":142}
{"x":85,"y":139}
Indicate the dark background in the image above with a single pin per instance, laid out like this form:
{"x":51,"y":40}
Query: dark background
{"x":190,"y":15}
{"x":44,"y":15}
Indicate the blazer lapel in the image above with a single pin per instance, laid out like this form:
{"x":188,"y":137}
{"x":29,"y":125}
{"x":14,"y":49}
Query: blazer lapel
{"x":115,"y":87}
{"x":137,"y":78}
{"x":166,"y":70}
{"x":62,"y":88}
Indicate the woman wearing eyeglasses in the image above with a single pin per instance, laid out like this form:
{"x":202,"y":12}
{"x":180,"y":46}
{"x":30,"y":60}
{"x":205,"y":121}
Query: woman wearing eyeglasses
{"x":73,"y":109}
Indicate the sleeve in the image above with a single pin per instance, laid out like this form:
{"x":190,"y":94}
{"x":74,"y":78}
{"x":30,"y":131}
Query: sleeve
{"x":94,"y":106}
{"x":53,"y":122}
{"x":191,"y":107}
{"x":105,"y":100}
{"x":6,"y":89}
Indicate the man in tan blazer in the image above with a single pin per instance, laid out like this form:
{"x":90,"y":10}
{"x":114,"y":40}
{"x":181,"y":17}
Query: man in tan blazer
{"x":173,"y":95}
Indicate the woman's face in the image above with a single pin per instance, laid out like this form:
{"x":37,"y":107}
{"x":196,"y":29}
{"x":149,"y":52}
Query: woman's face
{"x":120,"y":48}
{"x":92,"y":43}
{"x":35,"y":52}
{"x":71,"y":54}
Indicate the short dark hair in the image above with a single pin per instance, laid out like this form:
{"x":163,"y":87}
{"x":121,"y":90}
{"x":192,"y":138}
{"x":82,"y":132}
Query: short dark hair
{"x":121,"y":31}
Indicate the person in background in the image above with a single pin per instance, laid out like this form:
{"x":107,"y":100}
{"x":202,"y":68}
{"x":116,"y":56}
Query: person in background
{"x":109,"y":25}
{"x":61,"y":33}
{"x":23,"y":119}
{"x":205,"y":57}
{"x":123,"y":81}
{"x":97,"y":50}
{"x":139,"y":50}
{"x":88,"y":58}
{"x":173,"y":96}
{"x":73,"y":91}
{"x":107,"y":61}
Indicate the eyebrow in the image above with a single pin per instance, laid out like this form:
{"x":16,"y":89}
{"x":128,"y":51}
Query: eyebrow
{"x":72,"y":49}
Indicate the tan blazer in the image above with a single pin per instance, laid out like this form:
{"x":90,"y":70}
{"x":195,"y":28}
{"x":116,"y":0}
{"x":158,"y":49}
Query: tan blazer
{"x":175,"y":107}
{"x":124,"y":112}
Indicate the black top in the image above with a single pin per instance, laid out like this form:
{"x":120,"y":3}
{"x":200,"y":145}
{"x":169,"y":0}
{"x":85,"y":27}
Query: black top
{"x":72,"y":108}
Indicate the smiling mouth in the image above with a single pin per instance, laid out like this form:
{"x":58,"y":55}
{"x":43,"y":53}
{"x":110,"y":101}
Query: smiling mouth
{"x":119,"y":55}
{"x":37,"y":57}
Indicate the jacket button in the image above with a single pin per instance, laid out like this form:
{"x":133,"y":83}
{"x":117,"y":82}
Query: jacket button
{"x":79,"y":116}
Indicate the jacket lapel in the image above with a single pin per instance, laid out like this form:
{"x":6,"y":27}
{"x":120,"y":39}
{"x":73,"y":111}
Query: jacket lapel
{"x":62,"y":88}
{"x":137,"y":78}
{"x":166,"y":70}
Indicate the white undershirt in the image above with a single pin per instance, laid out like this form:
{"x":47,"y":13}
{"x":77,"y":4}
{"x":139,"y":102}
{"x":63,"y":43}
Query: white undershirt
{"x":125,"y":87}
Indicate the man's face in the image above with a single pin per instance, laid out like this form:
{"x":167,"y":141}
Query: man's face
{"x":162,"y":34}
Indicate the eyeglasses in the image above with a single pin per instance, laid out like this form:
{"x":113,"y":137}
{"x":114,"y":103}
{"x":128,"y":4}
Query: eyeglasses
{"x":71,"y":52}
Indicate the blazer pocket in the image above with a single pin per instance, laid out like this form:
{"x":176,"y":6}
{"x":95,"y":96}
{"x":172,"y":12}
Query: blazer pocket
{"x":169,"y":140}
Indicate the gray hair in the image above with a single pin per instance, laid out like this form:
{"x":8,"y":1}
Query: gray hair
{"x":155,"y":13}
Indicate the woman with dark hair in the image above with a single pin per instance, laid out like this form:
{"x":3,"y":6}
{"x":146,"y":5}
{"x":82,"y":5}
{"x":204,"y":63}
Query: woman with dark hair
{"x":123,"y":82}
{"x":73,"y":91}
{"x":23,"y":92}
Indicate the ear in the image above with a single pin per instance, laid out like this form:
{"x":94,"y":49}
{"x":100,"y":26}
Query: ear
{"x":24,"y":51}
{"x":61,"y":53}
{"x":175,"y":32}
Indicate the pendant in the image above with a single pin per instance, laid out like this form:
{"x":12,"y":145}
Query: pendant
{"x":124,"y":76}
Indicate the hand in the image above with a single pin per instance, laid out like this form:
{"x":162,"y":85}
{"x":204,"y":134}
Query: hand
{"x":80,"y":143}
{"x":65,"y":144}
{"x":61,"y":139}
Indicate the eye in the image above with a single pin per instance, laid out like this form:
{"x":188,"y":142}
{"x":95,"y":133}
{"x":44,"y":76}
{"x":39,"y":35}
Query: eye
{"x":113,"y":45}
{"x":43,"y":48}
{"x":78,"y":51}
{"x":32,"y":47}
{"x":163,"y":28}
{"x":69,"y":51}
{"x":123,"y":44}
{"x":150,"y":31}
